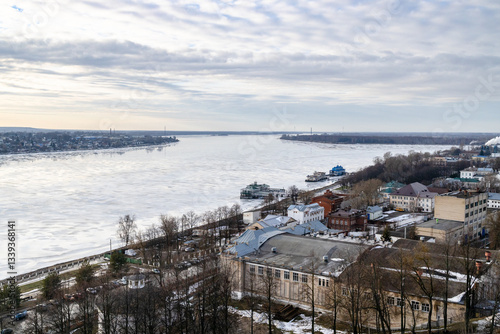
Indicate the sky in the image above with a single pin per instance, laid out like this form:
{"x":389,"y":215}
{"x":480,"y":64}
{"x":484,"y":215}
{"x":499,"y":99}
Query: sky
{"x":270,"y":65}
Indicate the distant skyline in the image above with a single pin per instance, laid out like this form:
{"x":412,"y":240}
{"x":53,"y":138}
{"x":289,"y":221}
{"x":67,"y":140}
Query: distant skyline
{"x":333,"y":66}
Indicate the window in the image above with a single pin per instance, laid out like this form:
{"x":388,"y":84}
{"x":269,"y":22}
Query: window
{"x":344,"y":291}
{"x":327,"y":281}
{"x":269,"y":272}
{"x":390,"y":300}
{"x":415,"y":305}
{"x":467,"y":206}
{"x":320,"y":282}
{"x":252,"y":269}
{"x":295,"y":277}
{"x":304,"y":278}
{"x":425,"y":307}
{"x":399,"y":302}
{"x":261,"y":270}
{"x":277,"y":273}
{"x":286,"y":275}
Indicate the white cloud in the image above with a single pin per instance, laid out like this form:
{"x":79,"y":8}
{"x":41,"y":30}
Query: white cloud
{"x":177,"y":57}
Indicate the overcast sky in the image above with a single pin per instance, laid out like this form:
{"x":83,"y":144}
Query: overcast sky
{"x":251,"y":65}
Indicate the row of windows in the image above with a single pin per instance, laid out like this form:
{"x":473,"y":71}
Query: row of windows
{"x":414,"y":304}
{"x":286,"y":275}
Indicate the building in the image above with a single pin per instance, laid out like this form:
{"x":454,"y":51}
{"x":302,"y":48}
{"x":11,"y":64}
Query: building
{"x":271,"y":221}
{"x":493,"y":201}
{"x":442,"y":230}
{"x":337,"y":171}
{"x":425,"y":201}
{"x":464,"y":206}
{"x":476,"y":173}
{"x":347,"y":220}
{"x":329,"y":201}
{"x":306,"y":213}
{"x":251,"y":217}
{"x":299,"y":268}
{"x":413,"y":197}
{"x":137,"y":281}
{"x":390,"y":187}
{"x":374,"y":212}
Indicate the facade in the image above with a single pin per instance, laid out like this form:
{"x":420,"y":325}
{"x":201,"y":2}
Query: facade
{"x":251,"y":217}
{"x":464,"y":206}
{"x":493,"y":201}
{"x":347,"y":220}
{"x":136,"y":281}
{"x":298,"y":268}
{"x":413,"y":197}
{"x":443,"y":230}
{"x":476,"y":173}
{"x":306,"y":213}
{"x":425,"y":201}
{"x":374,"y":212}
{"x":329,"y":201}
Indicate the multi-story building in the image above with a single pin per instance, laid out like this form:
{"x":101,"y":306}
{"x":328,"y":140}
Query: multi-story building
{"x":301,"y":270}
{"x":306,"y":213}
{"x":347,"y":220}
{"x":464,"y":206}
{"x":493,"y":201}
{"x":413,"y":197}
{"x":329,"y":201}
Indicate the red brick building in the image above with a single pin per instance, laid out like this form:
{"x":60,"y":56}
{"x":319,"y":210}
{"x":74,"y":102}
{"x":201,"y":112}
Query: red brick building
{"x":347,"y":220}
{"x":329,"y":201}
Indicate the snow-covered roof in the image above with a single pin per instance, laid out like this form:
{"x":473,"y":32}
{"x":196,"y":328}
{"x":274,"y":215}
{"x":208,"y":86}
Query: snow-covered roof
{"x":306,"y":208}
{"x":373,"y":209}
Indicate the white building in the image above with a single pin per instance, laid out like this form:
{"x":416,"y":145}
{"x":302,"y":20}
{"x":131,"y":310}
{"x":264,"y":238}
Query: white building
{"x":493,"y":201}
{"x":476,"y":173}
{"x":136,"y":281}
{"x":251,"y":217}
{"x":306,"y":213}
{"x":425,"y":201}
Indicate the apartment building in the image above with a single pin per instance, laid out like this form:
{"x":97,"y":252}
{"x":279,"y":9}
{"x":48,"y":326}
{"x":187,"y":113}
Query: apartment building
{"x":464,"y":206}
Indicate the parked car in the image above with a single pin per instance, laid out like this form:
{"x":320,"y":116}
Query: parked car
{"x":7,"y":331}
{"x":156,"y":270}
{"x":21,"y":315}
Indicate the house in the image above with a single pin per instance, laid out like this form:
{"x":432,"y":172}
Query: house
{"x":306,"y":213}
{"x":464,"y":206}
{"x":412,"y":197}
{"x":374,"y":212}
{"x":493,"y":201}
{"x":476,"y":173}
{"x":347,"y":220}
{"x":271,"y":221}
{"x":387,"y":189}
{"x":329,"y":201}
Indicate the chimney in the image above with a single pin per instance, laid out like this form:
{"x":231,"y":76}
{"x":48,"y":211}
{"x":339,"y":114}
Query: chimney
{"x":325,"y":258}
{"x":274,"y":250}
{"x":487,"y":255}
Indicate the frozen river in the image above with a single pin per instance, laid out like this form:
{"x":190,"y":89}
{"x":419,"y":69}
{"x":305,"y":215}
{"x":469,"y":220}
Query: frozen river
{"x":67,"y":204}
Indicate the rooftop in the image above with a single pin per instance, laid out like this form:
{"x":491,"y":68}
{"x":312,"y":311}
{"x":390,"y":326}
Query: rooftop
{"x":442,"y":224}
{"x":302,"y":253}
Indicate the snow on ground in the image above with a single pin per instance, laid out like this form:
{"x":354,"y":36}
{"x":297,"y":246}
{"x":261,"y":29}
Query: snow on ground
{"x":300,"y":325}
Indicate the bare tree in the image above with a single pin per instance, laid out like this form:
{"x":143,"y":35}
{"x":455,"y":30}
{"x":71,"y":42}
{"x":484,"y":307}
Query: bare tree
{"x":126,"y":228}
{"x":267,"y":286}
{"x":333,"y":300}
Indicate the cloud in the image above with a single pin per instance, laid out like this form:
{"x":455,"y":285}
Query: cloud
{"x":183,"y":56}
